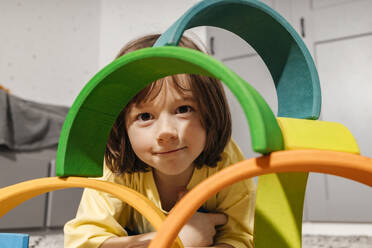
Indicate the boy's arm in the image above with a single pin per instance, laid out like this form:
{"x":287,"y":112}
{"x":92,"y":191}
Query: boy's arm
{"x":223,"y":246}
{"x":142,"y":241}
{"x":135,"y":241}
{"x":95,"y":221}
{"x":215,"y":246}
{"x":237,"y":202}
{"x":197,"y":233}
{"x":100,"y":216}
{"x":238,"y":231}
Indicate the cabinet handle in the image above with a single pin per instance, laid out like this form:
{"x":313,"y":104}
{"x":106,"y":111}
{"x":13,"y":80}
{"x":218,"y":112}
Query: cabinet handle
{"x":211,"y":45}
{"x":302,"y":23}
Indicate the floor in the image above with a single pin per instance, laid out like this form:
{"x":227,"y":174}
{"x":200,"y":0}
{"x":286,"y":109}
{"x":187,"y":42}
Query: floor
{"x":336,"y":235}
{"x":313,"y":241}
{"x":337,"y":229}
{"x":315,"y":235}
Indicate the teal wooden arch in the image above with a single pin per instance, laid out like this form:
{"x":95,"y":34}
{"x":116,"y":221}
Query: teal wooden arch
{"x":297,"y":85}
{"x":87,"y":126}
{"x":281,"y":48}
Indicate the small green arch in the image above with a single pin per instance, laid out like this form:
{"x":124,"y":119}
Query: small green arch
{"x":87,"y":126}
{"x":281,"y":48}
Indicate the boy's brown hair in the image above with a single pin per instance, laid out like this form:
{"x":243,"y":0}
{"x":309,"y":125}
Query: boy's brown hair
{"x":210,"y":97}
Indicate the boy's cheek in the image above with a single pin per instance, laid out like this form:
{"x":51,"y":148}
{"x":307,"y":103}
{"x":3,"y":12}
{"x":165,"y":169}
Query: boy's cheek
{"x":140,"y":141}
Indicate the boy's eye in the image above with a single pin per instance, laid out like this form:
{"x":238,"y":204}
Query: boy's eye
{"x":184,"y":109}
{"x":144,"y":117}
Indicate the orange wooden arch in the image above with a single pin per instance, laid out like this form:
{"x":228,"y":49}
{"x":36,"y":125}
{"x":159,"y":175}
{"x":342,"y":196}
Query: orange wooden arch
{"x":13,"y":195}
{"x":351,"y":166}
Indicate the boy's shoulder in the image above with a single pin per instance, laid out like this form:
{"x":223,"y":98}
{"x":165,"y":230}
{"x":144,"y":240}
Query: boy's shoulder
{"x":231,"y":155}
{"x":131,"y":180}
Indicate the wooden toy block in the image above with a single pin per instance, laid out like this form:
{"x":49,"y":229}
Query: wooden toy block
{"x":274,"y":39}
{"x":14,"y":240}
{"x":347,"y":165}
{"x":13,"y":195}
{"x":86,"y":129}
{"x":315,"y":134}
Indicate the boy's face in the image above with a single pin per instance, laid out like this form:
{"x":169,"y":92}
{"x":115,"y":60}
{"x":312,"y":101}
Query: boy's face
{"x":166,"y":132}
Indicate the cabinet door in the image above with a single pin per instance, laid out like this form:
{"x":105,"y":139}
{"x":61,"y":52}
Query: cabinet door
{"x":16,"y":167}
{"x":339,"y":35}
{"x":58,"y":214}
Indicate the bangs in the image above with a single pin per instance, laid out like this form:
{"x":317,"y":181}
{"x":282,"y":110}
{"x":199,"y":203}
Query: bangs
{"x":181,"y":82}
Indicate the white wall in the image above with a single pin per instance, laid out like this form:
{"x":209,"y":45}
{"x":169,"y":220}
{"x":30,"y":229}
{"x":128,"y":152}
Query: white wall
{"x":49,"y":49}
{"x":125,"y":20}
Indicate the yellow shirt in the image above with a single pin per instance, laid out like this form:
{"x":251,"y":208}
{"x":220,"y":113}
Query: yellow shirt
{"x":101,"y":216}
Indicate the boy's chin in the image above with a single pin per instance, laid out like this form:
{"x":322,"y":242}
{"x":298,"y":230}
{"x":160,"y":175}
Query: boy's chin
{"x":173,"y":171}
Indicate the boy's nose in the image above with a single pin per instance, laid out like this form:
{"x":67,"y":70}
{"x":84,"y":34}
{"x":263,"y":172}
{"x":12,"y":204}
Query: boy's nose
{"x":167,"y":137}
{"x":167,"y":131}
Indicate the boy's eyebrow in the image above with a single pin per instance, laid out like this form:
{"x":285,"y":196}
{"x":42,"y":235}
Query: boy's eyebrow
{"x":182,"y":98}
{"x":188,"y":98}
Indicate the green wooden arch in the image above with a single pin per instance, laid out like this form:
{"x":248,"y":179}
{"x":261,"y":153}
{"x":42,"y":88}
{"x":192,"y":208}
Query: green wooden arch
{"x":87,"y":126}
{"x":285,"y":54}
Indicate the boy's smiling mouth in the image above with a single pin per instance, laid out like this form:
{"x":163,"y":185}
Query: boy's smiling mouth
{"x":170,"y":151}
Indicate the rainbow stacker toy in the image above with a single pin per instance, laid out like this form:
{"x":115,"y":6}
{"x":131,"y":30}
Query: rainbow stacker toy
{"x":292,"y":143}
